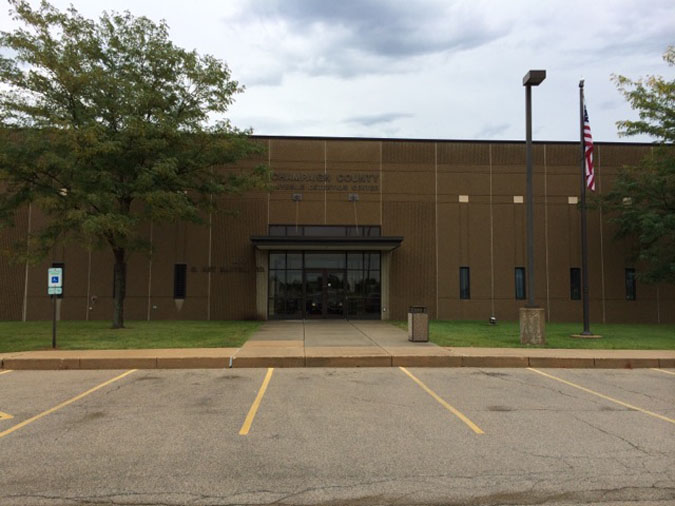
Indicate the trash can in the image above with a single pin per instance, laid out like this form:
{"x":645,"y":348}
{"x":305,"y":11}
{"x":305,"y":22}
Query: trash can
{"x":418,"y":324}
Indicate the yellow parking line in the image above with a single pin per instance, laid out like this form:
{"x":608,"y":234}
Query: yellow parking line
{"x":63,"y":404}
{"x":5,"y":372}
{"x":606,"y":397}
{"x":661,"y":370}
{"x":447,"y":406}
{"x":256,"y":403}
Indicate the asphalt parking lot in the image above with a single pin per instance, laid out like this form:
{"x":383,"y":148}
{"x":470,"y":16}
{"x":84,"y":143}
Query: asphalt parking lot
{"x":338,"y":436}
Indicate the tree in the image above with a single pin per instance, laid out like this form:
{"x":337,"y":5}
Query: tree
{"x":642,"y":198}
{"x":107,"y":124}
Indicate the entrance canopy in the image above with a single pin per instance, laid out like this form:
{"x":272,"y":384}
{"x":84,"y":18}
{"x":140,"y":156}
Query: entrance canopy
{"x":323,"y":276}
{"x":266,"y":242}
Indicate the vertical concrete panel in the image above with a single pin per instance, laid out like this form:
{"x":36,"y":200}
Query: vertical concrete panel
{"x":479,"y":251}
{"x":408,"y":192}
{"x":233,"y":284}
{"x":74,"y":301}
{"x":448,"y":260}
{"x":101,"y":284}
{"x":564,"y":253}
{"x":509,"y":240}
{"x":12,"y":274}
{"x":353,"y":167}
{"x":412,"y":268}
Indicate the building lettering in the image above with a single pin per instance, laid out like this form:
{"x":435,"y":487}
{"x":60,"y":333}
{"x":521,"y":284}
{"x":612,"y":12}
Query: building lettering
{"x":317,"y":181}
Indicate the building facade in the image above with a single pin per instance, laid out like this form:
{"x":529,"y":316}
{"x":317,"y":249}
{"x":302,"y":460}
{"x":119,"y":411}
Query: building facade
{"x":365,"y":228}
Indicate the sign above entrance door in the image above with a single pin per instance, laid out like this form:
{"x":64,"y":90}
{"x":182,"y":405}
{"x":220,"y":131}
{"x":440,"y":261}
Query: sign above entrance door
{"x":322,"y":181}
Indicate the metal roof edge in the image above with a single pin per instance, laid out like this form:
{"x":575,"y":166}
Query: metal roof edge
{"x":470,"y":141}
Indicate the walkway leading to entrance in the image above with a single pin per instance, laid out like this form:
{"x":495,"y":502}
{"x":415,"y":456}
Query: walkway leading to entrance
{"x":326,"y":343}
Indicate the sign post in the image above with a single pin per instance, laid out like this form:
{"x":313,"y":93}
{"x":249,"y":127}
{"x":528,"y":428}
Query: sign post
{"x":54,"y":288}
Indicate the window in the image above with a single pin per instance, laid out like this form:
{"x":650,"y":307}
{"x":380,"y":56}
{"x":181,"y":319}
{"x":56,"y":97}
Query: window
{"x":630,"y":284}
{"x":464,"y":283}
{"x":285,"y":284}
{"x":277,"y":230}
{"x":520,"y":283}
{"x":325,"y":260}
{"x":575,"y":283}
{"x":325,"y":230}
{"x":363,"y":284}
{"x":179,"y":281}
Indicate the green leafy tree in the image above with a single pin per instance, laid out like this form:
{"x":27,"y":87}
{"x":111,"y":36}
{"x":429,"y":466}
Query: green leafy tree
{"x":105,"y":125}
{"x":642,"y":198}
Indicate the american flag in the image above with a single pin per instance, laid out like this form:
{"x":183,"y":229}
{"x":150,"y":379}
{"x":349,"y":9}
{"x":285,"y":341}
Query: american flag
{"x":588,"y":153}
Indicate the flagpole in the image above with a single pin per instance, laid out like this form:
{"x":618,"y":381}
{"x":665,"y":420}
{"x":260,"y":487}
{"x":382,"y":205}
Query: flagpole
{"x":584,"y":239}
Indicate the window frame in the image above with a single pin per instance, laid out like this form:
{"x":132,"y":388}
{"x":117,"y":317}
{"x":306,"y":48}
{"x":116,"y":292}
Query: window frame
{"x":575,"y":283}
{"x":464,"y":283}
{"x":179,"y":271}
{"x":630,"y":283}
{"x":523,"y":286}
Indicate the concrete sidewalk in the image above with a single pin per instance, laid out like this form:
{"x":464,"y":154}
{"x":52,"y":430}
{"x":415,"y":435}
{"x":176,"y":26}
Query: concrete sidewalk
{"x":337,"y":343}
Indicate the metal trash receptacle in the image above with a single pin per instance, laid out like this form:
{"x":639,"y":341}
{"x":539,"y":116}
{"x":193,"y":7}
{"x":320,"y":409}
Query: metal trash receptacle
{"x":418,"y":324}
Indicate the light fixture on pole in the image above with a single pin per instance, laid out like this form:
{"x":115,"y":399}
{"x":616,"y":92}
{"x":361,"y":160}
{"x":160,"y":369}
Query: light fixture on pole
{"x":531,"y":325}
{"x":532,"y":78}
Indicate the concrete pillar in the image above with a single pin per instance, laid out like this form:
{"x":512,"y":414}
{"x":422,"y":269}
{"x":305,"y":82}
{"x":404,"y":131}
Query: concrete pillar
{"x":532,"y":325}
{"x":261,"y":263}
{"x":384,"y":284}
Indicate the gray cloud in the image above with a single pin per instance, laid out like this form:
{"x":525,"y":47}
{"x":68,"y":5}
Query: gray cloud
{"x":389,"y":29}
{"x":377,"y":119}
{"x":262,"y":78}
{"x":357,"y":37}
{"x":608,"y":105}
{"x":491,"y":131}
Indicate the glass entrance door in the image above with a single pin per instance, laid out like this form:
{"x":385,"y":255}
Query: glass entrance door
{"x":324,"y":293}
{"x":324,"y":284}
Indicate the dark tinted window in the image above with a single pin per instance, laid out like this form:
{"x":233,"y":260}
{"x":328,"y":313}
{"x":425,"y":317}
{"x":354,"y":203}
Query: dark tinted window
{"x":179,"y":281}
{"x":277,"y":230}
{"x":336,"y":260}
{"x":575,"y":283}
{"x":630,"y":284}
{"x":464,"y":283}
{"x":520,"y":282}
{"x":325,"y":230}
{"x":277,"y":260}
{"x":355,"y":260}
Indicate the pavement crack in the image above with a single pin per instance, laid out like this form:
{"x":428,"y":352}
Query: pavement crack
{"x":612,"y":434}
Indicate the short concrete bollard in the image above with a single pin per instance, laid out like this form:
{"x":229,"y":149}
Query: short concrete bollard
{"x":532,"y":325}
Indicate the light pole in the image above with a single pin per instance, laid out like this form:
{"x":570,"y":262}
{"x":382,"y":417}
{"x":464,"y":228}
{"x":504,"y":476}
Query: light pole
{"x":533,"y":335}
{"x":532,"y":78}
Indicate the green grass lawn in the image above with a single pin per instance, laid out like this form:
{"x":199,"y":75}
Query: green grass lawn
{"x":97,"y":335}
{"x":616,"y":336}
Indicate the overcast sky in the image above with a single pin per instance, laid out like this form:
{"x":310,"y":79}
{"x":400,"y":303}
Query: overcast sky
{"x":429,"y":69}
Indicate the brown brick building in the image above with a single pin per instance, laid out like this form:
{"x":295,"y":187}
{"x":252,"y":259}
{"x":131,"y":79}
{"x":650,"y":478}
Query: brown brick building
{"x":364,"y":228}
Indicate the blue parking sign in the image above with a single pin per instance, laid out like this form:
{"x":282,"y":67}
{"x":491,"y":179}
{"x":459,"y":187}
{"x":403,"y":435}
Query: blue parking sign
{"x":55,"y":280}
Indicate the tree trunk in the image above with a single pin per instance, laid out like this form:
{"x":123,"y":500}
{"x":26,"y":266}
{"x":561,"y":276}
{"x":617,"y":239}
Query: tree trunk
{"x":120,"y":288}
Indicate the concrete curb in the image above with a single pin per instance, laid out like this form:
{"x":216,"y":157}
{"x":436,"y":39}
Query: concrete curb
{"x":329,"y":360}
